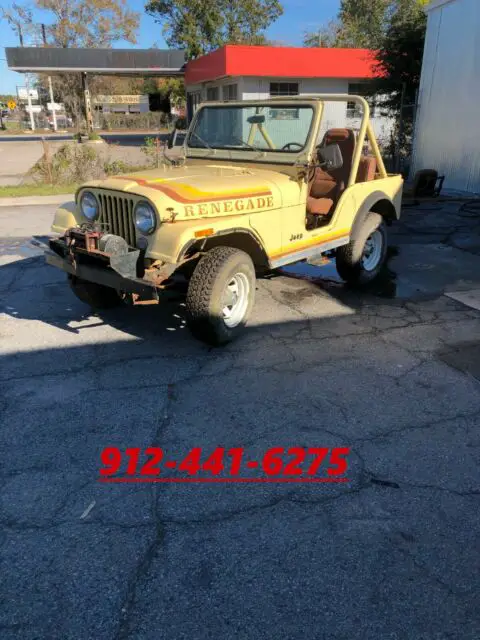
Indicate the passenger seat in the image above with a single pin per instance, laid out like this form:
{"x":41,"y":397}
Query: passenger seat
{"x":326,"y":187}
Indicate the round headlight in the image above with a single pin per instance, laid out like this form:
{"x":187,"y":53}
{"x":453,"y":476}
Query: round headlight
{"x":145,"y":218}
{"x":89,"y":205}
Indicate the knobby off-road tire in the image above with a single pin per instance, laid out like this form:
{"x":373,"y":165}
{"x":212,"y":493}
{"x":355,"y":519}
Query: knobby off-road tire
{"x":220,"y":296}
{"x":361,"y":260}
{"x":95,"y":295}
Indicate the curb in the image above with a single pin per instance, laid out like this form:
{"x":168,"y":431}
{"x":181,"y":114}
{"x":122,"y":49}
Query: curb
{"x":34,"y":201}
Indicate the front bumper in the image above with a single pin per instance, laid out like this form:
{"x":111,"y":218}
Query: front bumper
{"x":93,"y":269}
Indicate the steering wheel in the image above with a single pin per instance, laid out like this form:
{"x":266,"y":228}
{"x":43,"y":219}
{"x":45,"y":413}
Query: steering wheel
{"x":287,"y":146}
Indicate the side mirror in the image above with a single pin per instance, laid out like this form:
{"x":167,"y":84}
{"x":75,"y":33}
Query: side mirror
{"x":330,"y":157}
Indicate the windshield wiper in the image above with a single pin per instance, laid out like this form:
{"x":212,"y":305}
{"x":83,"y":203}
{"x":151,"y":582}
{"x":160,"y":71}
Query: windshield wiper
{"x":205,"y":144}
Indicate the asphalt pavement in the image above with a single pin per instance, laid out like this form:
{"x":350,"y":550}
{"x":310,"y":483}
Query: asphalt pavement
{"x":115,"y":137}
{"x":392,"y":373}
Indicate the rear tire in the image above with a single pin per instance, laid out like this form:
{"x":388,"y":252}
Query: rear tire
{"x":361,"y":260}
{"x":95,"y":295}
{"x":220,"y":296}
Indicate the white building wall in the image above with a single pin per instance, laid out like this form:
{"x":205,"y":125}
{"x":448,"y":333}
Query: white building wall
{"x":252,"y":88}
{"x":335,"y":112}
{"x":447,"y":136}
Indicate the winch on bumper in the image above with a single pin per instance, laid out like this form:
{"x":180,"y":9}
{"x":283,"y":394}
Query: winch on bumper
{"x":107,"y":260}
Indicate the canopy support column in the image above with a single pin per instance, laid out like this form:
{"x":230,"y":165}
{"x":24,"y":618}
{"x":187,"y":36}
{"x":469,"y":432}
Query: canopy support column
{"x":88,"y":104}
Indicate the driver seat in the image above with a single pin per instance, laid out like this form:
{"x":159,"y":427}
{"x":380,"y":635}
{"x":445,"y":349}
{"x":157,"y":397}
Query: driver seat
{"x":326,"y":187}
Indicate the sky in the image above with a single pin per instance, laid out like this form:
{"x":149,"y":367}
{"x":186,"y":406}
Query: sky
{"x":299,"y":16}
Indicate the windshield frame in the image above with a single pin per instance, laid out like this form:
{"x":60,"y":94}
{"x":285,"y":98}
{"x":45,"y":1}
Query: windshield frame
{"x":260,"y":154}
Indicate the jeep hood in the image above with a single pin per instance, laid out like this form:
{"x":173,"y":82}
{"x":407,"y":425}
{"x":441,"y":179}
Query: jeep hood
{"x":206,"y":190}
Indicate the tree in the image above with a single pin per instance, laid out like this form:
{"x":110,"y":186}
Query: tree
{"x":395,"y":29}
{"x":399,"y":68}
{"x":19,"y":18}
{"x":400,"y":55}
{"x":327,"y":36}
{"x":359,"y":24}
{"x":174,"y":90}
{"x":363,"y":22}
{"x":73,"y":23}
{"x":200,"y":26}
{"x":89,"y":23}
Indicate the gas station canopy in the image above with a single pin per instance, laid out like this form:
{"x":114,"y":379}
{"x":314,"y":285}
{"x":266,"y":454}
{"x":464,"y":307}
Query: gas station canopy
{"x":154,"y":62}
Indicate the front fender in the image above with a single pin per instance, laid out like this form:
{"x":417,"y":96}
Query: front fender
{"x":65,"y":217}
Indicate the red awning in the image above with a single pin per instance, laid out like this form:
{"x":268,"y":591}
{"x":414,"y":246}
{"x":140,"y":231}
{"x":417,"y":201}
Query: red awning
{"x":282,"y":62}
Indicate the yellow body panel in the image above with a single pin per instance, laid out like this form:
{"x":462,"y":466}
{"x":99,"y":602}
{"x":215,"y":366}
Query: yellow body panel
{"x":242,"y":193}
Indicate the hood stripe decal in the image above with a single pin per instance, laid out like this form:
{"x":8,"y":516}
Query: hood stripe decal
{"x":172,"y":193}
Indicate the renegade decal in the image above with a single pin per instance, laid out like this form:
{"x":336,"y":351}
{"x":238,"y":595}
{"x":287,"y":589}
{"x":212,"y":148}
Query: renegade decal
{"x":228,"y":206}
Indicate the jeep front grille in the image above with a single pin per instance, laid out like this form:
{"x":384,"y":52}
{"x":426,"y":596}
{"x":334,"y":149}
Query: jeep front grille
{"x":116,"y":216}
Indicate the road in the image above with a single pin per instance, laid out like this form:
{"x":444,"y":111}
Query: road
{"x":392,"y":373}
{"x":125,"y":139}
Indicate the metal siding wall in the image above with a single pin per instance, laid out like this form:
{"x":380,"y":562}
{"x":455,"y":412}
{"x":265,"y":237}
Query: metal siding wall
{"x":447,"y":134}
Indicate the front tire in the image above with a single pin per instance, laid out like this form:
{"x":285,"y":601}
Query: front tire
{"x":95,"y":295}
{"x":220,"y":296}
{"x":361,"y":260}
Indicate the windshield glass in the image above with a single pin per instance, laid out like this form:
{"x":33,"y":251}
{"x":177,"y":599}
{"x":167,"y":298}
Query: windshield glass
{"x":258,"y":128}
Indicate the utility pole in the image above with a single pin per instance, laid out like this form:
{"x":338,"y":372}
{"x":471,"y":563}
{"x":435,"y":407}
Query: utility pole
{"x":27,"y":82}
{"x":52,"y":102}
{"x":54,"y":114}
{"x":29,"y":102}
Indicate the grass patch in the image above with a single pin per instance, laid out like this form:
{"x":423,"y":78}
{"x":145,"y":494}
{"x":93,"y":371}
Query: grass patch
{"x":36,"y":190}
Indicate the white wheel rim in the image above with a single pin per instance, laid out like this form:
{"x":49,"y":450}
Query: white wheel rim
{"x":235,"y":300}
{"x":372,"y":252}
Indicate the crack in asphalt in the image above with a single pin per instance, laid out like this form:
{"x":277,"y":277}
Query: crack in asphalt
{"x":385,"y":321}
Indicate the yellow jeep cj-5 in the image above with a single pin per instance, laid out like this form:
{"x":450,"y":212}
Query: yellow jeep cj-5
{"x":260,"y":185}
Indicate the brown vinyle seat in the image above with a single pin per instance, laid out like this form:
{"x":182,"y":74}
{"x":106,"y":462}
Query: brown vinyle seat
{"x":326,"y":187}
{"x":366,"y":169}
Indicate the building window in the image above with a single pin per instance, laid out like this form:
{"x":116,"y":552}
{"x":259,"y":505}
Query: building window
{"x":212,"y":94}
{"x":230,"y":92}
{"x":283,"y":89}
{"x":359,"y":89}
{"x":193,"y":100}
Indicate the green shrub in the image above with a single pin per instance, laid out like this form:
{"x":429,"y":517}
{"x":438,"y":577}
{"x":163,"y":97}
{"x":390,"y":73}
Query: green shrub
{"x":72,"y":163}
{"x":118,"y":167}
{"x":153,"y":149}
